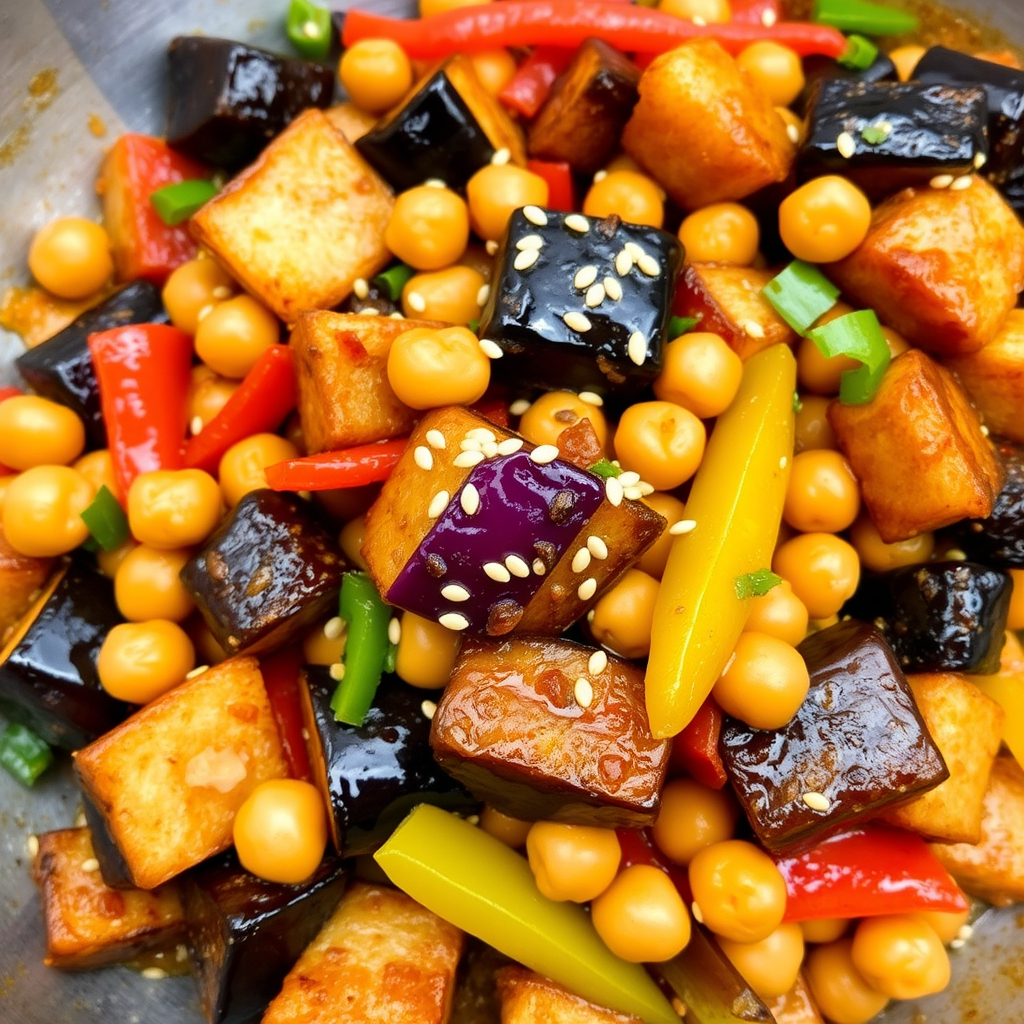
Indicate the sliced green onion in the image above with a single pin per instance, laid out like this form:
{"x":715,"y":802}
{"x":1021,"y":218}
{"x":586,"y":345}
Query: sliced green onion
{"x":309,"y":28}
{"x":863,"y":16}
{"x":680,"y":325}
{"x":605,"y":468}
{"x":24,"y":754}
{"x":876,"y":134}
{"x":859,"y":336}
{"x":797,"y":403}
{"x":860,"y":54}
{"x":366,"y":648}
{"x":474,"y":326}
{"x":394,"y":279}
{"x":756,"y":584}
{"x":800,"y":294}
{"x":106,"y":520}
{"x":176,"y":203}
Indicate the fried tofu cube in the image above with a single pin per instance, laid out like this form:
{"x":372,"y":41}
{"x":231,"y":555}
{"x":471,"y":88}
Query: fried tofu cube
{"x":993,"y":869}
{"x":704,"y":130}
{"x":380,"y":958}
{"x":993,"y":378}
{"x":942,"y":267}
{"x":967,"y":728}
{"x":919,"y":427}
{"x":530,"y":998}
{"x":300,"y":225}
{"x":727,"y":301}
{"x":352,"y":122}
{"x":169,"y":780}
{"x":796,"y":1006}
{"x":21,"y":580}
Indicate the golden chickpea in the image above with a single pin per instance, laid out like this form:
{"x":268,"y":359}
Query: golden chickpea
{"x":98,"y":468}
{"x":428,"y":227}
{"x":701,"y":373}
{"x":624,"y":615}
{"x":634,"y":197}
{"x":779,"y":613}
{"x":946,"y":925}
{"x":110,"y":561}
{"x":721,"y":233}
{"x":819,"y":373}
{"x":5,"y":482}
{"x":234,"y":334}
{"x":148,"y":585}
{"x":450,"y":295}
{"x":906,"y":58}
{"x":655,"y":558}
{"x":37,"y":432}
{"x":325,"y":643}
{"x":494,"y":68}
{"x":554,"y":411}
{"x":839,"y":989}
{"x":824,"y":220}
{"x":139,"y":661}
{"x":692,"y":817}
{"x":426,"y":652}
{"x":895,"y":342}
{"x":813,"y":430}
{"x":71,"y":257}
{"x":770,"y":967}
{"x":822,"y":569}
{"x":826,"y":929}
{"x":42,"y":513}
{"x":775,"y":69}
{"x":173,"y":508}
{"x":511,"y":831}
{"x":572,"y":862}
{"x":878,"y":556}
{"x":192,"y":287}
{"x":376,"y":74}
{"x":242,"y":465}
{"x":428,"y":368}
{"x":900,"y":955}
{"x":709,"y":12}
{"x":350,"y":540}
{"x":661,"y":441}
{"x":823,"y":494}
{"x":208,"y":393}
{"x":496,"y":191}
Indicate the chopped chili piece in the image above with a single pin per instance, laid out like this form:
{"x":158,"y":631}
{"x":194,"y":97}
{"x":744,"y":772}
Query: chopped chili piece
{"x":329,"y":471}
{"x":695,"y":749}
{"x":281,"y":678}
{"x":558,"y":175}
{"x":529,"y":87}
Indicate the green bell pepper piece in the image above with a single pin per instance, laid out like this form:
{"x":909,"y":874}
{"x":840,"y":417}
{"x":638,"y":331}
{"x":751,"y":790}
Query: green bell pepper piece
{"x":366,"y":650}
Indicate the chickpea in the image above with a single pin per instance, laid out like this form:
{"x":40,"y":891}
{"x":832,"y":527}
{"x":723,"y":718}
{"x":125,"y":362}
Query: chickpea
{"x":655,"y":558}
{"x":350,"y":540}
{"x":37,"y":432}
{"x":692,"y":817}
{"x":139,"y":661}
{"x":813,"y":430}
{"x":738,"y":889}
{"x":192,"y":287}
{"x":428,"y":227}
{"x":42,"y":513}
{"x":554,"y":411}
{"x":147,"y":585}
{"x":98,"y":468}
{"x":906,"y":58}
{"x":376,"y":74}
{"x":721,"y":233}
{"x":449,"y":295}
{"x":878,"y":556}
{"x":5,"y":481}
{"x":641,"y":917}
{"x":109,"y":562}
{"x":496,"y":191}
{"x":900,"y":955}
{"x":426,"y":652}
{"x":635,"y":197}
{"x":1015,"y":618}
{"x":173,"y":508}
{"x":428,"y":368}
{"x":494,"y":68}
{"x":945,"y":924}
{"x":206,"y":644}
{"x":895,"y":342}
{"x":622,"y":162}
{"x":207,"y":395}
{"x":822,"y":569}
{"x":242,"y":465}
{"x":839,"y":989}
{"x":430,"y":7}
{"x":817,"y":372}
{"x":825,"y":929}
{"x":234,"y":334}
{"x":822,"y":494}
{"x":701,"y":373}
{"x":775,"y":69}
{"x":70,"y":257}
{"x":325,"y":643}
{"x":779,"y":613}
{"x":572,"y":862}
{"x":824,"y":220}
{"x":661,"y":441}
{"x":710,"y":12}
{"x":511,"y":831}
{"x":764,"y":683}
{"x":624,"y":615}
{"x":770,"y":967}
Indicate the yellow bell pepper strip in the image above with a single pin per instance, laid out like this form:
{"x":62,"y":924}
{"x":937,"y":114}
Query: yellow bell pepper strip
{"x":736,"y":504}
{"x":480,"y":885}
{"x":1006,"y":688}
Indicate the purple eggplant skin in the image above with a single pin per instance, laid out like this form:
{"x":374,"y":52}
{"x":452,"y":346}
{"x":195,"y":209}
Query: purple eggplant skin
{"x":819,"y":68}
{"x":113,"y":867}
{"x":858,"y":739}
{"x":245,"y":933}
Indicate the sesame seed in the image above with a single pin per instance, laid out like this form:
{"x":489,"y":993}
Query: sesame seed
{"x":438,"y":503}
{"x":483,"y":294}
{"x":695,"y":910}
{"x":753,"y":329}
{"x":535,"y":215}
{"x":204,"y":312}
{"x":591,"y":398}
{"x":817,"y":801}
{"x":525,"y":259}
{"x":683,"y":527}
{"x":429,"y":709}
{"x":436,"y":439}
{"x":961,"y":183}
{"x":846,"y":145}
{"x":417,"y":303}
{"x":196,"y":425}
{"x":490,"y":246}
{"x":519,"y":407}
{"x":539,"y":568}
{"x":792,"y":132}
{"x":471,"y":444}
{"x":577,"y":222}
{"x":636,"y":348}
{"x":768,"y":18}
{"x":154,"y":973}
{"x":590,"y":615}
{"x":645,"y":488}
{"x":649,"y":265}
{"x":199,"y":670}
{"x":455,"y":592}
{"x":422,"y":457}
{"x":613,"y":491}
{"x":633,"y":493}
{"x":369,"y":311}
{"x":361,"y":287}
{"x":501,"y":156}
{"x":491,"y":349}
{"x":434,"y":183}
{"x":467,"y":460}
{"x":587,"y":589}
{"x":497,"y":572}
{"x":481,"y":434}
{"x":980,"y":160}
{"x":90,"y":865}
{"x":612,"y":288}
{"x":629,"y":478}
{"x":600,"y":176}
{"x":337,"y":671}
{"x":597,"y":547}
{"x":333,"y":628}
{"x":32,"y":845}
{"x":956,"y":555}
{"x":530,"y":242}
{"x":576,"y":322}
{"x":489,"y":448}
{"x":394,"y":630}
{"x":510,"y":445}
{"x":543,"y":454}
{"x":581,"y":560}
{"x":783,"y":462}
{"x":453,"y":620}
{"x":677,"y":1004}
{"x":941,"y":181}
{"x":598,"y":663}
{"x":583,"y":692}
{"x":984,"y":430}
{"x":594,"y":296}
{"x":585,"y":277}
{"x":623,"y":263}
{"x":473,"y":819}
{"x":634,"y":250}
{"x":517,"y":566}
{"x":470,"y":500}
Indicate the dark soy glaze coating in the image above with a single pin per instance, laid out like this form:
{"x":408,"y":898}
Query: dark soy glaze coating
{"x":371,"y":776}
{"x":935,"y":129}
{"x":377,"y":298}
{"x":819,"y":68}
{"x":524,"y":314}
{"x":113,"y":867}
{"x":858,"y":739}
{"x":999,"y":540}
{"x":61,"y":367}
{"x":269,"y":570}
{"x":227,"y":100}
{"x":49,"y":682}
{"x":245,"y":934}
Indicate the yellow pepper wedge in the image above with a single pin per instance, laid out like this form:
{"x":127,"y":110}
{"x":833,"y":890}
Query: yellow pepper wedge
{"x":1006,"y":688}
{"x":736,"y":503}
{"x":476,"y":882}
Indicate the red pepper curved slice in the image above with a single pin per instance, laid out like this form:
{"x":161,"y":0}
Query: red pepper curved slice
{"x":328,"y":471}
{"x":695,"y":749}
{"x":568,"y":23}
{"x":528,"y":88}
{"x":558,"y":175}
{"x":280,"y":672}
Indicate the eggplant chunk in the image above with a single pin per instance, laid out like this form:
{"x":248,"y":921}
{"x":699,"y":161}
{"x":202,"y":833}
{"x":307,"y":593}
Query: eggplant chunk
{"x":530,"y":998}
{"x":857,"y":745}
{"x":530,"y":730}
{"x":228,"y":100}
{"x":819,"y":68}
{"x":61,"y":367}
{"x":269,"y":571}
{"x":372,"y":776}
{"x":245,"y":934}
{"x":21,"y":580}
{"x":940,"y":616}
{"x":998,"y":539}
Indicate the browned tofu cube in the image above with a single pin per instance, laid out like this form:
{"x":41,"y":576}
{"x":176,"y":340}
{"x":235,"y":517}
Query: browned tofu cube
{"x":967,"y":728}
{"x":944,"y":268}
{"x":993,"y":869}
{"x":993,"y":378}
{"x":302,"y":223}
{"x":530,"y":998}
{"x":551,"y":729}
{"x":918,"y":450}
{"x":169,"y":780}
{"x":380,"y":959}
{"x":796,"y":1006}
{"x":21,"y":581}
{"x":704,"y":130}
{"x":89,"y":924}
{"x":582,"y":118}
{"x":352,"y":122}
{"x":727,"y":301}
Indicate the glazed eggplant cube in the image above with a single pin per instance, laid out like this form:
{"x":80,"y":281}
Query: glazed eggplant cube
{"x":940,"y":616}
{"x":998,"y":539}
{"x":371,"y":776}
{"x":581,"y":303}
{"x":228,"y":99}
{"x":1005,"y":91}
{"x":269,"y":571}
{"x":857,"y":744}
{"x":245,"y":934}
{"x":22,"y":578}
{"x":819,"y":68}
{"x":48,"y":678}
{"x":898,"y":134}
{"x":61,"y":367}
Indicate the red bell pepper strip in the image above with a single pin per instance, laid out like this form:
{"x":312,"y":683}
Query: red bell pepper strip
{"x":328,"y":471}
{"x":558,"y":175}
{"x":529,"y":87}
{"x":869,"y":871}
{"x":695,"y":749}
{"x":259,"y":404}
{"x":143,"y":371}
{"x":568,"y":23}
{"x":756,"y":12}
{"x":280,"y":672}
{"x":638,"y":848}
{"x":493,"y":409}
